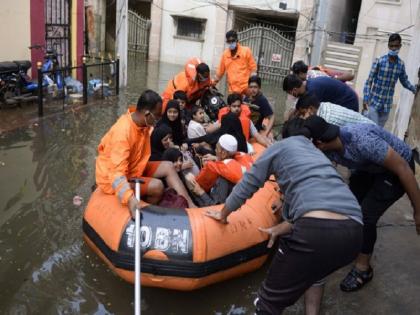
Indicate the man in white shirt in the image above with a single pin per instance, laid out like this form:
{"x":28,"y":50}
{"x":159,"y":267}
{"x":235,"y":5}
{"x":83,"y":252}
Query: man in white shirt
{"x":334,"y":114}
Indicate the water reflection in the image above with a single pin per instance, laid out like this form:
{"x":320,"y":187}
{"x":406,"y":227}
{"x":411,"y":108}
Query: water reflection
{"x":45,"y":267}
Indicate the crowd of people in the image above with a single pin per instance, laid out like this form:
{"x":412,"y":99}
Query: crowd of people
{"x":172,"y":144}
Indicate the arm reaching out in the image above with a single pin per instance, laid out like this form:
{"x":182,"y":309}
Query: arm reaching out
{"x":397,"y":165}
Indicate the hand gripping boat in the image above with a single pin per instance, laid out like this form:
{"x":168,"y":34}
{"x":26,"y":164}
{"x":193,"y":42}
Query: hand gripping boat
{"x":181,"y":249}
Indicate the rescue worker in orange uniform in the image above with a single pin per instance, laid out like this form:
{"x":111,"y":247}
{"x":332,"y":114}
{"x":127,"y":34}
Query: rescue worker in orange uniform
{"x":124,"y":153}
{"x":243,"y":112}
{"x":193,"y":80}
{"x":238,"y":63}
{"x":220,"y":173}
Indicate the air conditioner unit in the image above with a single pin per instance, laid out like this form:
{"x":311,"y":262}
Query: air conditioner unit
{"x":283,"y":5}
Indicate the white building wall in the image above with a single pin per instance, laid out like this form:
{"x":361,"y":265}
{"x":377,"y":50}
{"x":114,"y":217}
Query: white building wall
{"x":272,"y":5}
{"x":15,"y":33}
{"x":377,"y":19}
{"x":405,"y":104}
{"x":177,"y":50}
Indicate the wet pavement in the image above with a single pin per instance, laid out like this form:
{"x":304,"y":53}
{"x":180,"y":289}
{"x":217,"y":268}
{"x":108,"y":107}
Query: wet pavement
{"x":45,"y":268}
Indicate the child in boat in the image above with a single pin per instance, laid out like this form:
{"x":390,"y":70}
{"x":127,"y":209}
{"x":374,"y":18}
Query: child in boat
{"x":184,"y":112}
{"x":196,"y":127}
{"x":218,"y":176}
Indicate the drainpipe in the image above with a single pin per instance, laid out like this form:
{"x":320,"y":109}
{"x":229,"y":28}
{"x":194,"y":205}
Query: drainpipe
{"x":121,"y":38}
{"x":319,"y":35}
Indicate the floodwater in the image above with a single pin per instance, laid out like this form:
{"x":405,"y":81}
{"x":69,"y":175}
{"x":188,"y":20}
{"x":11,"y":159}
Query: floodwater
{"x":45,"y":267}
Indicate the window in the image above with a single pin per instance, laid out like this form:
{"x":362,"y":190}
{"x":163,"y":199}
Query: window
{"x":389,"y":1}
{"x":190,"y":28}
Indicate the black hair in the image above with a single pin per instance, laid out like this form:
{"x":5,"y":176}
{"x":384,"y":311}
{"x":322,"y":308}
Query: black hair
{"x":148,"y":100}
{"x":291,"y":81}
{"x":172,"y":155}
{"x":299,"y":67}
{"x":295,"y":127}
{"x":232,"y":98}
{"x":232,"y":33}
{"x":195,"y":109}
{"x":394,"y":37}
{"x":255,"y":79}
{"x":307,"y":100}
{"x":203,"y":68}
{"x":180,"y":95}
{"x":316,"y":68}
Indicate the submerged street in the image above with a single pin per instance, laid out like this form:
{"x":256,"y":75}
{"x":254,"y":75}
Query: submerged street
{"x":47,"y":169}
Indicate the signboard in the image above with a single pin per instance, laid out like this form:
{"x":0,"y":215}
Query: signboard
{"x":276,"y":57}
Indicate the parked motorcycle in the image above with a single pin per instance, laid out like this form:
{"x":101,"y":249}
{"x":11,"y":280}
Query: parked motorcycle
{"x":15,"y":84}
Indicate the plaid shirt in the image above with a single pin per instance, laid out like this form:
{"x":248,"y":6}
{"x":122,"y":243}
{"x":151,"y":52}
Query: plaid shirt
{"x":380,"y":85}
{"x":340,"y":116}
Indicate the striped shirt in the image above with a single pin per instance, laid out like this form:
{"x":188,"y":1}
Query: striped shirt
{"x":339,"y":115}
{"x":380,"y":85}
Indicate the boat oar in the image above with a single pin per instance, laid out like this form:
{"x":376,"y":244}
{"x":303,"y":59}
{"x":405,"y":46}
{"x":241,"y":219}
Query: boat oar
{"x":137,"y":256}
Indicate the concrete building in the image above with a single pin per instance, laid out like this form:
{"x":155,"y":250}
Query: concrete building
{"x":378,"y":19}
{"x":407,"y":113}
{"x":13,"y":15}
{"x":181,"y":29}
{"x":51,"y":23}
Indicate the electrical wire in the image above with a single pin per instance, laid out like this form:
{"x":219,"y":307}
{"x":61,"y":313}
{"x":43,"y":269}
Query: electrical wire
{"x":291,"y":29}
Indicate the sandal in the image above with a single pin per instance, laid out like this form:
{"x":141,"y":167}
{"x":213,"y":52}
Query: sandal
{"x":356,"y":279}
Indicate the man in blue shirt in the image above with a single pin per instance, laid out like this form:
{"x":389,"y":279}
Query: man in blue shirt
{"x":379,"y":87}
{"x":326,"y":89}
{"x":384,"y":171}
{"x":322,"y":227}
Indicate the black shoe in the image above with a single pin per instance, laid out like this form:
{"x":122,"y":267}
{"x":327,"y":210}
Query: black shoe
{"x":356,"y":279}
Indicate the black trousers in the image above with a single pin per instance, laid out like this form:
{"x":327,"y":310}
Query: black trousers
{"x":375,"y":192}
{"x":314,"y":249}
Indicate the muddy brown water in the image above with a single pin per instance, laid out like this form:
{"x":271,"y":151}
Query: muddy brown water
{"x":45,"y":267}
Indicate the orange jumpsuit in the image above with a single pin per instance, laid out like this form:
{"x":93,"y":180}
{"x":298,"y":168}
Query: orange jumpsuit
{"x":238,"y":68}
{"x":228,"y":169}
{"x":185,"y":81}
{"x":123,"y":153}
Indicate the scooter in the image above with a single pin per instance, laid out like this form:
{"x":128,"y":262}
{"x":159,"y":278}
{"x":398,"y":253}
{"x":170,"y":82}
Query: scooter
{"x":50,"y":66}
{"x":15,"y":84}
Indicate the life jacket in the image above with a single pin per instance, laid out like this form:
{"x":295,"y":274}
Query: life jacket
{"x":244,"y":159}
{"x":244,"y":117}
{"x":186,"y":81}
{"x":229,"y":169}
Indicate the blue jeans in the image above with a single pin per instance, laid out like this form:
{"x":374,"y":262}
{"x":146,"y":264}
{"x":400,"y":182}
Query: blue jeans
{"x":378,"y":118}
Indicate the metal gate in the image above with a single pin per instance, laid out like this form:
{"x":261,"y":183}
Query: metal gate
{"x":138,"y":33}
{"x":272,"y":50}
{"x":57,"y":29}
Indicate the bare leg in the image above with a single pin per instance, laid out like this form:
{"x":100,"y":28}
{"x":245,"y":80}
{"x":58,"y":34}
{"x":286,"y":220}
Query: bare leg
{"x":313,"y":298}
{"x":166,"y":170}
{"x":155,"y":191}
{"x":363,"y":262}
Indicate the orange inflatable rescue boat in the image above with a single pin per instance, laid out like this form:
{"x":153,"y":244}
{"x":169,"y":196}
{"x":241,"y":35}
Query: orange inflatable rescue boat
{"x":181,"y":249}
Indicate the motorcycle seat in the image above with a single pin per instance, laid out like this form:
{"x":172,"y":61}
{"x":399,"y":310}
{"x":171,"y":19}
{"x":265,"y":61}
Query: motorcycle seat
{"x":8,"y":67}
{"x":23,"y":65}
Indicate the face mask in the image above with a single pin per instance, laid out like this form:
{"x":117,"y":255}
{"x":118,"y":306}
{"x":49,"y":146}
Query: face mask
{"x":393,"y":53}
{"x":232,"y":46}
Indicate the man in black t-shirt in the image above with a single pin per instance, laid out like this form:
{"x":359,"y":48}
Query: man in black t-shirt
{"x":265,"y":110}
